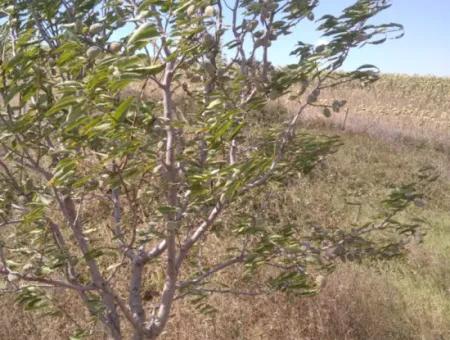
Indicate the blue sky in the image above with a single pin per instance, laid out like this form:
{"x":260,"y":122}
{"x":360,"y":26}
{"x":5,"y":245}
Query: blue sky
{"x":424,"y":50}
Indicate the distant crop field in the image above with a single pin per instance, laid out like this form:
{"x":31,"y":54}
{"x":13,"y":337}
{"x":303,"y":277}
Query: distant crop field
{"x":395,"y":106}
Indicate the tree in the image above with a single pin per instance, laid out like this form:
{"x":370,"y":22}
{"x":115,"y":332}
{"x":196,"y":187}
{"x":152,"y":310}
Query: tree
{"x":98,"y":185}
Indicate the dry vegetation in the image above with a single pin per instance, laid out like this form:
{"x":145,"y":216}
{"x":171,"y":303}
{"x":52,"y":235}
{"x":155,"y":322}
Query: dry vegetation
{"x":417,"y":108}
{"x":407,"y":298}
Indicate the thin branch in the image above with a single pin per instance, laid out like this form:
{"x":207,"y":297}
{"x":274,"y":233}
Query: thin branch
{"x":212,"y":271}
{"x":222,"y":291}
{"x":51,"y":282}
{"x":4,"y":224}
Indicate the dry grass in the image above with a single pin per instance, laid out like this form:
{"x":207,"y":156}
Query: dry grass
{"x":408,"y":298}
{"x":405,"y":299}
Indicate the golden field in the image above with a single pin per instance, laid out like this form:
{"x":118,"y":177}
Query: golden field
{"x":397,"y":106}
{"x":411,"y":107}
{"x":392,"y":128}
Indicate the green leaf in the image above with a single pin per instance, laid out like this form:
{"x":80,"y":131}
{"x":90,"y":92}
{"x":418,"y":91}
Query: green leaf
{"x":215,"y":103}
{"x":93,"y":253}
{"x":122,"y":109}
{"x":148,"y":70}
{"x":165,"y":209}
{"x":63,"y":103}
{"x":144,"y":32}
{"x":327,"y":112}
{"x":80,"y":334}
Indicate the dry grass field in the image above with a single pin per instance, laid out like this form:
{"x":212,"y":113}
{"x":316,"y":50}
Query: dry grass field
{"x":393,"y":128}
